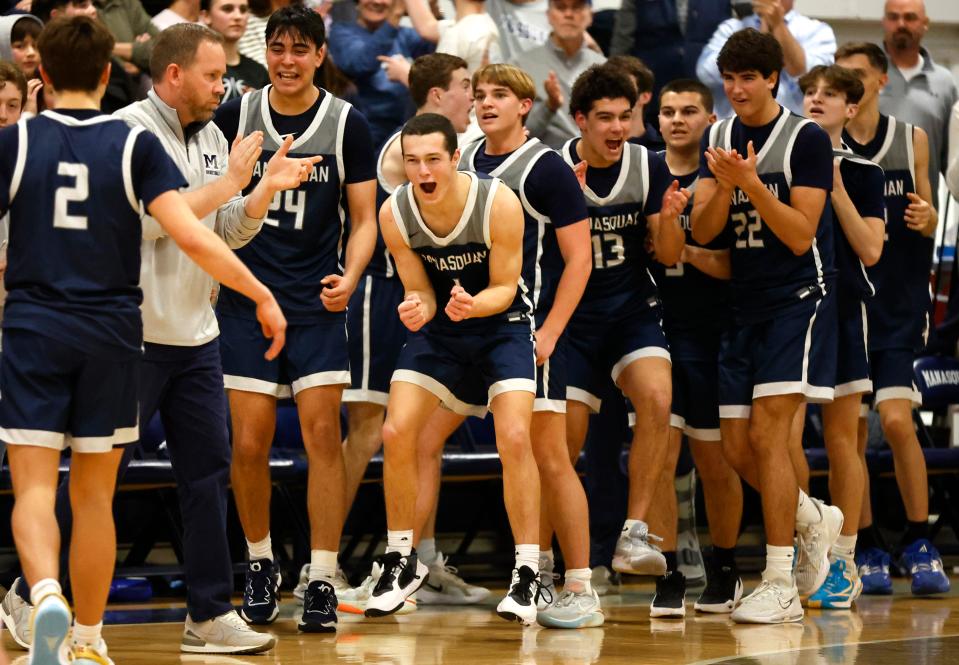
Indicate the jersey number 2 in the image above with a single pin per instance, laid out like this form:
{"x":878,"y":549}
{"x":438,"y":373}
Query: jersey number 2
{"x":75,"y":194}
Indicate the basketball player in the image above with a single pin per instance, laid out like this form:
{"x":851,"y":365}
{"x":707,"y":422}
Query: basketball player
{"x":297,"y":253}
{"x":458,"y":234}
{"x":616,"y":330}
{"x":556,"y":265}
{"x":765,"y":174}
{"x":695,"y":313}
{"x":830,"y":97}
{"x":898,"y":320}
{"x":74,"y":182}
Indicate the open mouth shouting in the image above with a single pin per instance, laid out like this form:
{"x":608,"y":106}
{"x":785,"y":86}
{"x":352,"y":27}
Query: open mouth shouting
{"x":428,"y":187}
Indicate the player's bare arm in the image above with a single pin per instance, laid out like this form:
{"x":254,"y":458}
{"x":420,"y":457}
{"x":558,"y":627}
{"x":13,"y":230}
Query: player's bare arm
{"x":921,"y":213}
{"x":337,"y":289}
{"x":713,"y":262}
{"x":711,"y":204}
{"x":865,"y":234}
{"x":419,"y":304}
{"x":665,"y":232}
{"x":577,"y":250}
{"x":210,"y":253}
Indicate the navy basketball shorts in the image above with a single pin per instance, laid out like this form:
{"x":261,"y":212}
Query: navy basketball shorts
{"x":57,"y":397}
{"x":852,"y":347}
{"x":551,"y":379}
{"x":467,"y":371}
{"x":602,"y":345}
{"x":695,"y":408}
{"x":315,"y":354}
{"x":791,"y":353}
{"x":376,"y":336}
{"x":892,"y":375}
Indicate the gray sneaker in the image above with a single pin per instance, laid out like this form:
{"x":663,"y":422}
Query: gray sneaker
{"x":634,"y":554}
{"x":605,"y":581}
{"x":573,"y":610}
{"x":15,"y":613}
{"x":227,"y":633}
{"x":546,"y":593}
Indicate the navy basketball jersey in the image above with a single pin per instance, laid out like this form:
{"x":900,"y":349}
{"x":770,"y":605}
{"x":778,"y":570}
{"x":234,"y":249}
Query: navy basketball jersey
{"x":898,"y":314}
{"x":461,"y":257}
{"x":381,"y":264}
{"x":302,"y":236}
{"x":766,"y":275}
{"x":542,"y":261}
{"x":617,"y":226}
{"x":692,"y":300}
{"x":74,"y":194}
{"x":856,"y":172}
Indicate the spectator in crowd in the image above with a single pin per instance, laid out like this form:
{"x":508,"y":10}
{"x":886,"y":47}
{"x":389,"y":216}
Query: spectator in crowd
{"x":952,"y":166}
{"x":362,"y":50}
{"x":18,"y":45}
{"x":473,"y":36}
{"x":253,"y":42}
{"x":522,"y":25}
{"x":13,"y":97}
{"x":179,"y":11}
{"x":640,"y":131}
{"x":229,"y":19}
{"x":131,"y":28}
{"x":555,"y":66}
{"x":668,"y":35}
{"x":805,"y":42}
{"x":919,"y":91}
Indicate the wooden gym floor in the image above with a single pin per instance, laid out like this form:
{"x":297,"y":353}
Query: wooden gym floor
{"x":896,"y":630}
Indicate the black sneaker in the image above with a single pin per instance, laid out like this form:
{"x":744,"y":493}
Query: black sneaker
{"x":670,"y":598}
{"x":401,"y":576}
{"x":520,"y":603}
{"x":723,"y":589}
{"x":319,"y":608}
{"x":262,"y":593}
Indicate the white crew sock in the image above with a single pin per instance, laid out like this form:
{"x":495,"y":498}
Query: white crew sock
{"x":528,"y":555}
{"x":322,"y":565}
{"x":577,"y":580}
{"x":399,"y":541}
{"x":262,"y":549}
{"x":87,"y":635}
{"x":844,"y":548}
{"x":426,"y":552}
{"x":779,"y":564}
{"x":806,"y":510}
{"x":42,"y":588}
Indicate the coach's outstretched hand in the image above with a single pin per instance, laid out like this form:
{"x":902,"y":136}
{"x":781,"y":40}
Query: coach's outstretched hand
{"x":413,"y":312}
{"x":284,"y":172}
{"x":460,"y":304}
{"x":243,"y":155}
{"x":273,"y":322}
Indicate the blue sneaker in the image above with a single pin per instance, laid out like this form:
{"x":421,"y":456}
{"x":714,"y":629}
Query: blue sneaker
{"x":922,"y":561}
{"x":262,"y":593}
{"x":873,"y":565}
{"x":51,"y":624}
{"x":841,"y":588}
{"x":319,"y":608}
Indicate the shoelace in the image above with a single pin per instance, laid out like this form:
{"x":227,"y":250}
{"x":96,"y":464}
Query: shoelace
{"x":764,"y":589}
{"x":233,"y":620}
{"x":393,"y":565}
{"x":566,"y":598}
{"x":836,"y":580}
{"x":450,"y":574}
{"x":318,"y":602}
{"x":527,"y":587}
{"x":266,"y":579}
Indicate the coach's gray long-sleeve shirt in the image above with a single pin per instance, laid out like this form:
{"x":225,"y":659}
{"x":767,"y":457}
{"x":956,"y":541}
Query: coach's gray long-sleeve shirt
{"x":554,"y":128}
{"x":176,"y":292}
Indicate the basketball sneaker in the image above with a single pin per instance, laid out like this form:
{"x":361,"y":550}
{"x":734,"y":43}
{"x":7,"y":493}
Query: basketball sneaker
{"x":352,"y":600}
{"x":400,"y":577}
{"x":924,"y":564}
{"x":51,"y":623}
{"x":670,"y":598}
{"x":340,"y":583}
{"x":573,"y":610}
{"x":634,"y":555}
{"x":319,"y":608}
{"x":445,"y":587}
{"x":812,"y":560}
{"x":546,"y":593}
{"x":520,"y":602}
{"x":840,"y":590}
{"x":262,"y":592}
{"x":724,"y":589}
{"x":15,"y":613}
{"x":605,"y":581}
{"x":873,"y":565}
{"x":771,"y":602}
{"x":86,"y":654}
{"x":225,"y":634}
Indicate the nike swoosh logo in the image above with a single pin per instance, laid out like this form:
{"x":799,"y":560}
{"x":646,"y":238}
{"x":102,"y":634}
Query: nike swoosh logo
{"x":787,"y":605}
{"x":437,"y":589}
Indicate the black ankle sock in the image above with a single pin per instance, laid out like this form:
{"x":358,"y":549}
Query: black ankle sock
{"x":671,"y":561}
{"x":725,"y":556}
{"x":867,"y":538}
{"x":914,"y":531}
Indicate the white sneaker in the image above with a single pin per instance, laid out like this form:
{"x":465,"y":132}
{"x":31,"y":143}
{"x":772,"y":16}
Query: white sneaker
{"x":635,"y":556}
{"x":771,"y":602}
{"x":546,"y":593}
{"x":51,"y":623}
{"x":573,"y":610}
{"x":352,"y":600}
{"x":604,"y":581}
{"x":85,"y":654}
{"x":400,"y":577}
{"x":520,"y":603}
{"x":15,"y":613}
{"x":445,"y":587}
{"x":227,"y":633}
{"x":812,"y":556}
